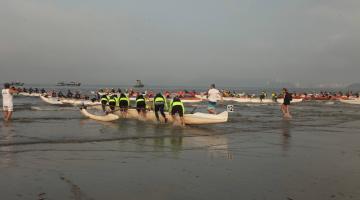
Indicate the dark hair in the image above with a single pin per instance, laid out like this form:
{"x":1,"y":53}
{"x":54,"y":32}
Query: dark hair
{"x":6,"y":85}
{"x":213,"y":85}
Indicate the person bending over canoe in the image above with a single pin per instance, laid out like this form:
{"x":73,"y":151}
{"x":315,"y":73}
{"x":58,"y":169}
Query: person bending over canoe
{"x":213,"y":96}
{"x":7,"y":96}
{"x":124,"y":103}
{"x":141,"y":105}
{"x":104,"y":101}
{"x":176,"y":106}
{"x":285,"y":106}
{"x":159,"y":106}
{"x":112,"y":99}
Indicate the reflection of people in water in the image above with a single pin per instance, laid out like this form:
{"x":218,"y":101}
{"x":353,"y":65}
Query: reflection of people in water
{"x":285,"y":127}
{"x":6,"y":155}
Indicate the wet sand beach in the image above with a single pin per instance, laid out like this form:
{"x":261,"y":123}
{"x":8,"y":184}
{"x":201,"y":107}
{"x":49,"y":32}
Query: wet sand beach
{"x":51,"y":152}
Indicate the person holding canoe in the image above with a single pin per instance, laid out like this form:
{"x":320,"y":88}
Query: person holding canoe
{"x":141,"y":105}
{"x":159,"y":106}
{"x":213,"y":96}
{"x":112,"y":100}
{"x":176,"y":106}
{"x":285,"y":106}
{"x":124,"y":103}
{"x":104,"y":101}
{"x":7,"y":97}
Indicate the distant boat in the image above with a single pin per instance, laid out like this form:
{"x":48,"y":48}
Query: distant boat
{"x":139,"y":84}
{"x":16,"y":83}
{"x":72,"y":83}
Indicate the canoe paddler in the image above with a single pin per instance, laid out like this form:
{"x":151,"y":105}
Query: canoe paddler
{"x":176,"y":106}
{"x":159,"y":106}
{"x":104,"y":101}
{"x":112,"y":99}
{"x":213,"y":96}
{"x":124,"y":103}
{"x":141,"y":105}
{"x":285,"y":106}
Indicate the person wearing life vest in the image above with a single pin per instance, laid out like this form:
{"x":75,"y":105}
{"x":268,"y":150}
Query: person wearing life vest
{"x":176,"y":106}
{"x":104,"y":101}
{"x":274,"y":97}
{"x":124,"y":103}
{"x":159,"y":106}
{"x":141,"y":105}
{"x":112,"y":101}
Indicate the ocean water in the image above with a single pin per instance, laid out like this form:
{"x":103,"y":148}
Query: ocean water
{"x":53,"y":152}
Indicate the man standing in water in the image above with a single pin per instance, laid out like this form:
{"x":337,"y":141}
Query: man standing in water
{"x":7,"y":96}
{"x":213,"y":96}
{"x":285,"y":106}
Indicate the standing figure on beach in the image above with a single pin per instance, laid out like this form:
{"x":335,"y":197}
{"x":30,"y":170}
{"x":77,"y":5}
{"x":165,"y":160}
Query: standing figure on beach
{"x":285,"y":106}
{"x":8,"y":105}
{"x":213,"y":96}
{"x":159,"y":106}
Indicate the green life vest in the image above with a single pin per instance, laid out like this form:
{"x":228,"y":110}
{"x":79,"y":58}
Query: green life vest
{"x":104,"y":98}
{"x":124,"y":99}
{"x":161,"y":100}
{"x":177,"y":103}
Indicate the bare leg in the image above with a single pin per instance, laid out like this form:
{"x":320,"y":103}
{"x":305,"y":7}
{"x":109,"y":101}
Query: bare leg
{"x":182,"y":121}
{"x":9,"y":115}
{"x":5,"y":114}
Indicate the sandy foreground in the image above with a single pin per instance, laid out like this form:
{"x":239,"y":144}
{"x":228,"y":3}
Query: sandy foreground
{"x":279,"y":164}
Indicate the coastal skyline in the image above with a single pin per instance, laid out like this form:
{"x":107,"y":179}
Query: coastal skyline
{"x":181,"y":42}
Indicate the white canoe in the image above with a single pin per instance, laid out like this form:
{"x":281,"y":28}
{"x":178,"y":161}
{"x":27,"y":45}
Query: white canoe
{"x":265,"y":101}
{"x":351,"y":101}
{"x":30,"y":95}
{"x":190,"y":119}
{"x":51,"y":100}
{"x":104,"y":118}
{"x":77,"y":102}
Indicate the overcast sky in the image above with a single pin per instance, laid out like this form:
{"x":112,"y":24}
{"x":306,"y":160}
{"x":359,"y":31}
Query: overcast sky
{"x":184,"y":42}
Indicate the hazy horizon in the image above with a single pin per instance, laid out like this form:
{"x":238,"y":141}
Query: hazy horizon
{"x":167,"y":42}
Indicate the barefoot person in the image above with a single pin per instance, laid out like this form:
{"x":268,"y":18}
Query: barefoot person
{"x":213,"y":96}
{"x":7,"y":96}
{"x":285,"y":106}
{"x":176,"y":106}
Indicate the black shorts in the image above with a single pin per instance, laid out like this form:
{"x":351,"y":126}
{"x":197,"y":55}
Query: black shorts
{"x":177,"y":109}
{"x":103,"y":102}
{"x":141,"y":106}
{"x":123,"y":104}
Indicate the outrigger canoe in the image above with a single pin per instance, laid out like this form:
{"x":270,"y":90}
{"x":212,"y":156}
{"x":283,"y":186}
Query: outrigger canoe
{"x":190,"y":119}
{"x":351,"y":101}
{"x":254,"y":100}
{"x":51,"y":100}
{"x":104,"y":118}
{"x":26,"y":94}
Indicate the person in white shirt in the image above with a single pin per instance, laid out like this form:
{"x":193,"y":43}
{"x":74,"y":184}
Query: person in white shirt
{"x":7,"y":96}
{"x":213,"y":96}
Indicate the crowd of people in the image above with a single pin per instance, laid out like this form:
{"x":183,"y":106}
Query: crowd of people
{"x":112,"y":99}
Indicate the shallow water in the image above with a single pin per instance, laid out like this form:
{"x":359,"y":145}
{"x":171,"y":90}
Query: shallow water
{"x":53,"y":152}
